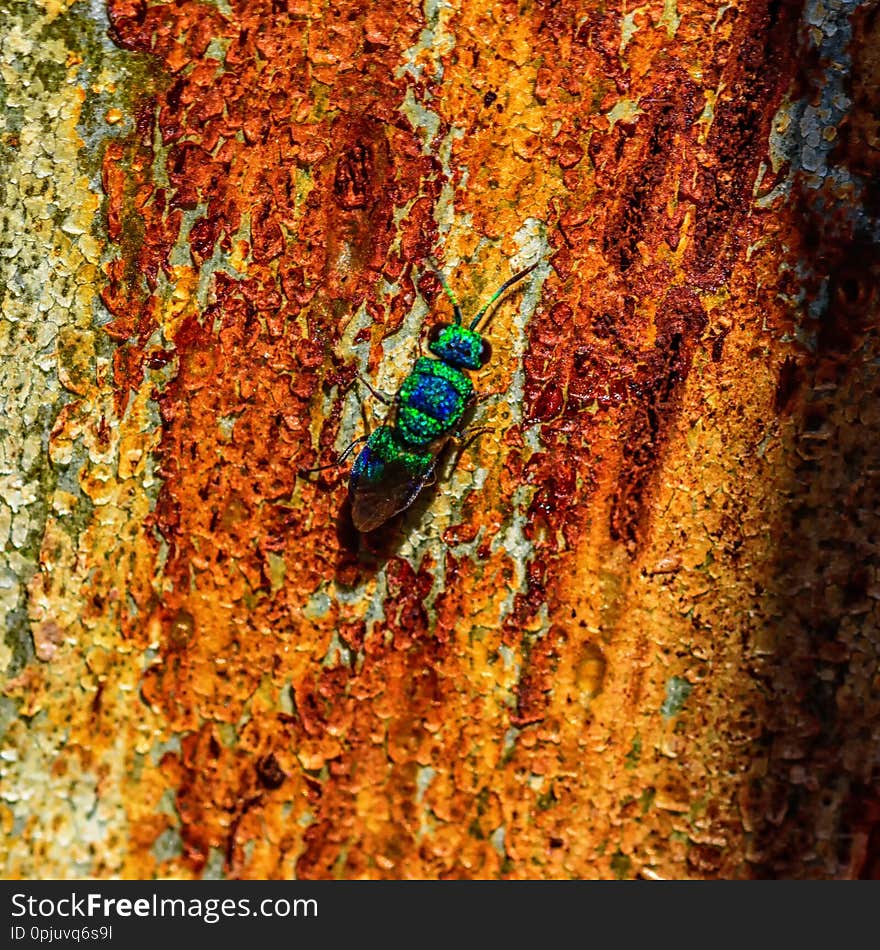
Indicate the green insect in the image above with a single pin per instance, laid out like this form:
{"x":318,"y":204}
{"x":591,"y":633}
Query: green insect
{"x":428,"y":411}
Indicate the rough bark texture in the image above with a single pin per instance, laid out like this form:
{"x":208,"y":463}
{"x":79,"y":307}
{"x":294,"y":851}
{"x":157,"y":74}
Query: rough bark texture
{"x":633,"y":633}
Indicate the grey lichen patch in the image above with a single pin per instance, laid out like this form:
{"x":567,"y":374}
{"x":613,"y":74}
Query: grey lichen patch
{"x":677,"y":692}
{"x":805,"y":137}
{"x":61,"y":79}
{"x":804,"y":132}
{"x":49,"y":263}
{"x":41,"y":291}
{"x":68,"y":794}
{"x":214,"y":866}
{"x":168,"y":845}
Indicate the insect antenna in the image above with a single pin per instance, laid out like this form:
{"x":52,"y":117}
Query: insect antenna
{"x":448,"y":290}
{"x":507,"y":283}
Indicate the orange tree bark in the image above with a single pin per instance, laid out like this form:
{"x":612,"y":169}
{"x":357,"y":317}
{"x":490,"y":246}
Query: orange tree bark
{"x":634,"y":633}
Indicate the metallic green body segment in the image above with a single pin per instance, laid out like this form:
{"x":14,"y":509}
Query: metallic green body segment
{"x":431,"y":401}
{"x":428,"y":367}
{"x":384,"y":448}
{"x":400,"y":458}
{"x":459,"y":346}
{"x":417,"y":427}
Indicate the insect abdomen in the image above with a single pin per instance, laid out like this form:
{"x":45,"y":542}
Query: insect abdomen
{"x":385,"y":478}
{"x":384,"y":449}
{"x":431,"y":401}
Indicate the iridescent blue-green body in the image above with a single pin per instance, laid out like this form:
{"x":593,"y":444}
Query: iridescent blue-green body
{"x":400,"y":457}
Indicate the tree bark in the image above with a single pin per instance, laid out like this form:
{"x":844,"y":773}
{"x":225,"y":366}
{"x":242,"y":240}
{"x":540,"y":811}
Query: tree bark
{"x":632,"y":632}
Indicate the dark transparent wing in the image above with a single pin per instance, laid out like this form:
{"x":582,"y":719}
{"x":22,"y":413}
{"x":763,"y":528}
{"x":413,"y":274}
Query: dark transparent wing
{"x":374,"y":502}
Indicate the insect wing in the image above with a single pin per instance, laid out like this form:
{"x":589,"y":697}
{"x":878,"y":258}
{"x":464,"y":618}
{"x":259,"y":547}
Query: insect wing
{"x":374,"y":501}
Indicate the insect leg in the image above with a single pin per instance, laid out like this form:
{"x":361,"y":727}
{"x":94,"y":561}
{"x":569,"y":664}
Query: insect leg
{"x":382,"y":397}
{"x":472,"y":435}
{"x":459,"y":444}
{"x":345,"y":454}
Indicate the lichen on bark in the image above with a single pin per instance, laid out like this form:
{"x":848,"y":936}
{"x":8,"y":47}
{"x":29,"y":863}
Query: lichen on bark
{"x":633,"y":633}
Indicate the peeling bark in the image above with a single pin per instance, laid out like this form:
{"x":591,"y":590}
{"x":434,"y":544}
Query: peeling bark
{"x":633,"y":633}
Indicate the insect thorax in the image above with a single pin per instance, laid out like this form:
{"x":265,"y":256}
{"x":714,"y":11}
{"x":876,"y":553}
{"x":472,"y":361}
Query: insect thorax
{"x":431,"y":401}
